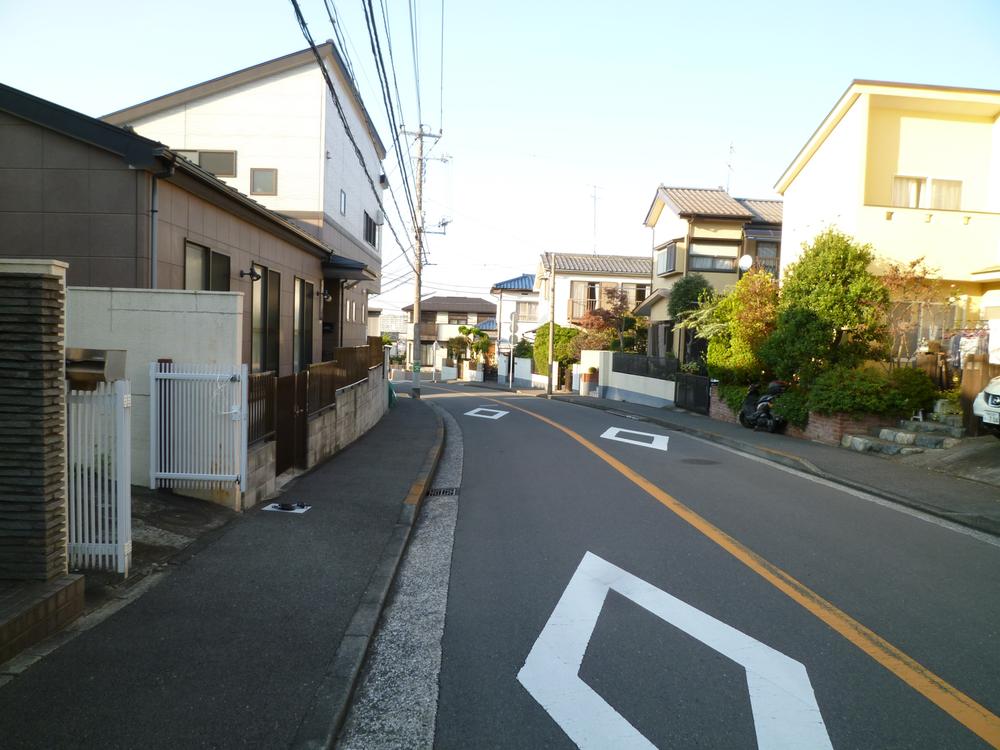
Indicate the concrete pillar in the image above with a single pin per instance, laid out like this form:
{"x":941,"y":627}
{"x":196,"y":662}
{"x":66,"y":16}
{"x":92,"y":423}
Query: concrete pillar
{"x":33,"y":503}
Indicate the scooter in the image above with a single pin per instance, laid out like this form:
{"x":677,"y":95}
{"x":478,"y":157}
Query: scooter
{"x":756,"y":411}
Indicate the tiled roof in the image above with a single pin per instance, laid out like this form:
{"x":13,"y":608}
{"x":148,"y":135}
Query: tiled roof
{"x":702,"y":202}
{"x":523,"y":283}
{"x":764,"y":211}
{"x":630,"y":265}
{"x":455,"y":304}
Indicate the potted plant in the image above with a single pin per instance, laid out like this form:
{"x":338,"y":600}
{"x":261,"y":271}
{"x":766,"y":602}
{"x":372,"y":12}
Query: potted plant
{"x":588,"y":382}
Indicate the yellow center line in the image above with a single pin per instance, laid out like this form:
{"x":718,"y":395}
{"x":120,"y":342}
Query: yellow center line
{"x":950,"y":699}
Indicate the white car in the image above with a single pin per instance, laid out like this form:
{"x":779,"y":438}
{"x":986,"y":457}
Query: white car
{"x":987,"y":406}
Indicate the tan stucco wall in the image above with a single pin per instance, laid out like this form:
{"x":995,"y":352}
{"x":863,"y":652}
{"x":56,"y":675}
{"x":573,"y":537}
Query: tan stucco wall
{"x":63,"y":199}
{"x":183,"y":216}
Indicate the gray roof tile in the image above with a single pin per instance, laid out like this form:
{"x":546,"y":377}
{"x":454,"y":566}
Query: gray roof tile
{"x":630,"y":265}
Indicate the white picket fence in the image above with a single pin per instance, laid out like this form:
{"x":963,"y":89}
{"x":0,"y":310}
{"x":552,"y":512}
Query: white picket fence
{"x":197,"y":426}
{"x":99,"y":477}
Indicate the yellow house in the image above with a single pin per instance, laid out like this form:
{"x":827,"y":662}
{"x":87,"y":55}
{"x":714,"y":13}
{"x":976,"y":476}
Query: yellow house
{"x":703,"y":231}
{"x":913,"y":170}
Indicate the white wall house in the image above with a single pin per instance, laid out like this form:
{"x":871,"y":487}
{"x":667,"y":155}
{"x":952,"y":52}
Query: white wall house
{"x":519,"y":297}
{"x":440,"y":320}
{"x":273,"y":131}
{"x":581,"y":282}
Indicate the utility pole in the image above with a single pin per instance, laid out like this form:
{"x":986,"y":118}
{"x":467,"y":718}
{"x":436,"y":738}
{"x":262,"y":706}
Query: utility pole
{"x":418,"y":235}
{"x":552,"y":320}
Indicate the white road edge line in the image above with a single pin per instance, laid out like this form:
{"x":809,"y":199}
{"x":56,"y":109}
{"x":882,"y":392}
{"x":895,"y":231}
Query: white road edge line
{"x":918,"y":514}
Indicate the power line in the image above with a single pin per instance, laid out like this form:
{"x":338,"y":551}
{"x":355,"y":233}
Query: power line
{"x":343,"y":118}
{"x":416,"y":57}
{"x":441,"y":92}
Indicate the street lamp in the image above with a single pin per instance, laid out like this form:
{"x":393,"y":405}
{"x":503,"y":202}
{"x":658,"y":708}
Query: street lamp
{"x":745,"y":263}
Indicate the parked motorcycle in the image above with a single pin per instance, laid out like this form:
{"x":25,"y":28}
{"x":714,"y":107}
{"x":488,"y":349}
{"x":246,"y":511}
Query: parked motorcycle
{"x":756,"y":411}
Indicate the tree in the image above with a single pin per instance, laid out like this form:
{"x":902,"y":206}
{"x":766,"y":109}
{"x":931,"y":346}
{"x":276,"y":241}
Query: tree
{"x":832,"y":310}
{"x":457,"y":346}
{"x":523,"y":349}
{"x":912,"y":287}
{"x":386,"y":341}
{"x":564,"y":352}
{"x":478,"y":341}
{"x":686,"y":294}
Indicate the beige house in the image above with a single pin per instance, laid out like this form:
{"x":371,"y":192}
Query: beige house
{"x":915,"y":171}
{"x":125,"y":211}
{"x":581,"y":283}
{"x":706,"y":232}
{"x":440,"y":319}
{"x":274,"y":132}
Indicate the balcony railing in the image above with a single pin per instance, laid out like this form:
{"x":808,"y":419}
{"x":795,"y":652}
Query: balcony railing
{"x":580,"y":307}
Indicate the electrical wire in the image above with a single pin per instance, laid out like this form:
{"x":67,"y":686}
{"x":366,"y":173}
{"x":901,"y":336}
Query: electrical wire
{"x":416,"y":57}
{"x":343,"y":118}
{"x":441,"y":92}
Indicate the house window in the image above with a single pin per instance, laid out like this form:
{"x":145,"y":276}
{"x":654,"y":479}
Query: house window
{"x":265,"y":308}
{"x":907,"y":192}
{"x":343,"y":203}
{"x":302,"y":325}
{"x":263,"y":181}
{"x":428,"y":316}
{"x":767,"y":257}
{"x":204,"y":269}
{"x":458,"y":319}
{"x":371,"y":230}
{"x":666,"y":260}
{"x":527,"y":311}
{"x":716,"y":258}
{"x":946,"y":194}
{"x":219,"y":163}
{"x":634,"y":294}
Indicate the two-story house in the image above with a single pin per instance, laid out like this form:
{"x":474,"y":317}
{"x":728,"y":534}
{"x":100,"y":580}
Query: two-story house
{"x":440,"y":318}
{"x":274,"y":132}
{"x":913,"y":170}
{"x":516,"y":297}
{"x":707,"y":232}
{"x":581,"y":283}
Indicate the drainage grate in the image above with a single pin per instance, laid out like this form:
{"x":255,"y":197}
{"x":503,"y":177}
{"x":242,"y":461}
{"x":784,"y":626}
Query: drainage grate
{"x":438,"y":491}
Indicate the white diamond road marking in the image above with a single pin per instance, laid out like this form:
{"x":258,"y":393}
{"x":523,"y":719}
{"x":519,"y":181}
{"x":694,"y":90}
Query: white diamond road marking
{"x":659,"y":442}
{"x":784,"y":707}
{"x":485,"y":413}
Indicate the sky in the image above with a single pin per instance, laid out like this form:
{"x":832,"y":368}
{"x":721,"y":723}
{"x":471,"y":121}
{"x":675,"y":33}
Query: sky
{"x":541,"y":105}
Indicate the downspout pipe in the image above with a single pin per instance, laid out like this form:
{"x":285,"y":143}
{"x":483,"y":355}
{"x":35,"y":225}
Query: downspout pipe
{"x":154,"y":209}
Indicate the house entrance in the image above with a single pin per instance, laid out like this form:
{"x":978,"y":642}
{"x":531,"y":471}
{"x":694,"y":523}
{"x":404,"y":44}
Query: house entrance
{"x":290,"y":422}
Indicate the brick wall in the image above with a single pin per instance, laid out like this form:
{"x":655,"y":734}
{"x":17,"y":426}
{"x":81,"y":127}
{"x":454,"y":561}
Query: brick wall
{"x":831,"y":428}
{"x":32,"y":424}
{"x":717,"y":408}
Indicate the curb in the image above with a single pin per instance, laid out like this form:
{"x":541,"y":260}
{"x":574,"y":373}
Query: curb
{"x":322,"y":722}
{"x":976,"y":522}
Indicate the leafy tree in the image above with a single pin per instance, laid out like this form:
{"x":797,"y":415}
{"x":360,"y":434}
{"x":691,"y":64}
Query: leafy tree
{"x":478,"y":341}
{"x":832,"y":280}
{"x":686,"y":294}
{"x":911,"y":286}
{"x":386,"y":341}
{"x":563,"y":351}
{"x":523,"y":348}
{"x":800,"y":347}
{"x":457,"y":346}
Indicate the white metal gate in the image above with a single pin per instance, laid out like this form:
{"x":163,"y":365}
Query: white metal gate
{"x":197,"y":425}
{"x":99,"y":477}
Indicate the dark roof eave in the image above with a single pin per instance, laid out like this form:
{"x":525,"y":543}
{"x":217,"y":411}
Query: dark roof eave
{"x":138,"y":152}
{"x":337,"y":267}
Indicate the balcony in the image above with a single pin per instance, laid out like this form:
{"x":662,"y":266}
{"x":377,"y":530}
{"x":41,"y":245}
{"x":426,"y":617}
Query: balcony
{"x":956,"y":243}
{"x":577,"y":308}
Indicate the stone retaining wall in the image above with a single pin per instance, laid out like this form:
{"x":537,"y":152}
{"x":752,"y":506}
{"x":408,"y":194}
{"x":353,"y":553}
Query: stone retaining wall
{"x":358,"y":408}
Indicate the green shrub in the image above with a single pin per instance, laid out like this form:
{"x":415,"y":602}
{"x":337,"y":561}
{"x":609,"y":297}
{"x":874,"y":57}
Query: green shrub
{"x":800,"y":347}
{"x":912,"y":390}
{"x":685,"y":293}
{"x":733,"y":396}
{"x":793,"y":405}
{"x":855,"y":392}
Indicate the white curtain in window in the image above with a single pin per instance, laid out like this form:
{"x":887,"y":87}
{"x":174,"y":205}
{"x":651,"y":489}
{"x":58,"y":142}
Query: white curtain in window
{"x":906,"y":191}
{"x":946,"y":194}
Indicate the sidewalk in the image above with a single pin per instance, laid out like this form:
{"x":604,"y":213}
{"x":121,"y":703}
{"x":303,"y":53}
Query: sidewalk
{"x":942,"y":492}
{"x":255,"y":640}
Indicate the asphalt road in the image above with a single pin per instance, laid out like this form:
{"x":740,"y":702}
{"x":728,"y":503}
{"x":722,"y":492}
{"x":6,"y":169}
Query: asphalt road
{"x":609,"y":593}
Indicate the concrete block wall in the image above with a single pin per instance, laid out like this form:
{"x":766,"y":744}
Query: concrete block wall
{"x":261,"y":481}
{"x":358,"y":408}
